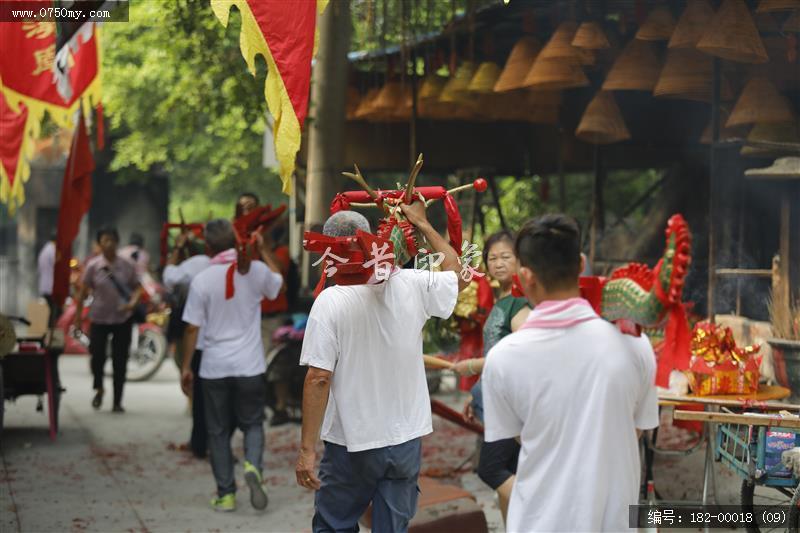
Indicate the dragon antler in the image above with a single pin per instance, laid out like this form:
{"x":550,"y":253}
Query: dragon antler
{"x":412,"y":178}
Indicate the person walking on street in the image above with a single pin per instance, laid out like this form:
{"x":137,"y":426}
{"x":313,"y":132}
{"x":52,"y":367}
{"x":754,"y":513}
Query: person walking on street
{"x":45,"y":267}
{"x":365,"y":389}
{"x":226,"y":304}
{"x":116,"y":289}
{"x":177,"y":276}
{"x":573,"y":389}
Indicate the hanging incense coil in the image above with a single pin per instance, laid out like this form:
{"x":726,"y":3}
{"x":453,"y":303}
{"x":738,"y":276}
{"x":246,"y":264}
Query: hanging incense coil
{"x":692,"y":24}
{"x":760,"y":101}
{"x":431,"y":87}
{"x":769,"y":6}
{"x":560,"y":44}
{"x":389,"y":97}
{"x":485,"y":78}
{"x":366,"y":107}
{"x":404,"y":103}
{"x":781,"y":132}
{"x":602,"y":122}
{"x":554,"y":74}
{"x":792,"y":24}
{"x":688,"y":74}
{"x":518,"y":64}
{"x":725,"y":133}
{"x":590,"y":35}
{"x":455,"y":90}
{"x":658,"y":26}
{"x":353,"y":99}
{"x":732,"y":35}
{"x":636,"y":69}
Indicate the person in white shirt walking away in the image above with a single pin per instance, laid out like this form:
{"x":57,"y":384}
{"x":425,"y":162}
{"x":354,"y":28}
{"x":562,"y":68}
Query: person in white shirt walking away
{"x":226,"y":304}
{"x":363,"y":347}
{"x":575,"y":392}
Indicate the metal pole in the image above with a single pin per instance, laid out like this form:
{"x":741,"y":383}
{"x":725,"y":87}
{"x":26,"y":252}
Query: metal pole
{"x":712,"y":278}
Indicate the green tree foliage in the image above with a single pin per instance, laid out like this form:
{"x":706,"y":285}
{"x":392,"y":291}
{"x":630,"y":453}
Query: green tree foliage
{"x":180,"y":101}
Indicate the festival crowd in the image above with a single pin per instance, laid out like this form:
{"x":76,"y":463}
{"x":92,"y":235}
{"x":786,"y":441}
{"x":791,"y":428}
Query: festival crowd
{"x":563,"y":395}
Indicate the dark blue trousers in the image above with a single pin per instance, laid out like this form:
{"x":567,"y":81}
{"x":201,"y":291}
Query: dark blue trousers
{"x":387,"y":477}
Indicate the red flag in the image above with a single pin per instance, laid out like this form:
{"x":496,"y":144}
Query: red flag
{"x":27,"y":82}
{"x":17,"y":130}
{"x":284,"y":33}
{"x":76,"y":197}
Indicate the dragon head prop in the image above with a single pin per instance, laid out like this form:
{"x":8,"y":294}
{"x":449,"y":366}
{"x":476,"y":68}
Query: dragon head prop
{"x":394,"y":230}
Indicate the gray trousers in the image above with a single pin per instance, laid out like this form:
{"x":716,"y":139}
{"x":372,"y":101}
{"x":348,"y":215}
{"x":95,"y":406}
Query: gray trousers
{"x":230,"y":403}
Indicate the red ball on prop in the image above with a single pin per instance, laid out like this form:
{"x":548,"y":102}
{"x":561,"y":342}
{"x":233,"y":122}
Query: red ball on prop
{"x":480,"y":184}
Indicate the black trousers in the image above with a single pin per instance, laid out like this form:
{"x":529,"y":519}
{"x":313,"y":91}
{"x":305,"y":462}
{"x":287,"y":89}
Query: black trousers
{"x":120,"y":345}
{"x":199,"y":438}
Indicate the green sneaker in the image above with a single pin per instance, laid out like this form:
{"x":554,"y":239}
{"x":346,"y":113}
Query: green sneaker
{"x":258,"y":498}
{"x":224,"y":504}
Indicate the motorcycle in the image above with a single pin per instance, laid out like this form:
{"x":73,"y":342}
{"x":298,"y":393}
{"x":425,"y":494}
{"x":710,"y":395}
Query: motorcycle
{"x":148,"y":341}
{"x":283,"y":365}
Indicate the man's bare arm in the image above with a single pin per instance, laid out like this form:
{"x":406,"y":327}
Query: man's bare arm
{"x":415,"y":213}
{"x":316,"y":387}
{"x":189,"y":345}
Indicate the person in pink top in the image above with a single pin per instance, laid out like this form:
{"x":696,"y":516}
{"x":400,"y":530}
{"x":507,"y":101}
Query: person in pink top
{"x":114,"y":284}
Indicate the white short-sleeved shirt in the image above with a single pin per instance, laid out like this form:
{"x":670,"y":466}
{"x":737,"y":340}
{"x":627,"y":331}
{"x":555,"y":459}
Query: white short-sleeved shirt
{"x":184,"y":273}
{"x":575,"y":396}
{"x":370,"y":337}
{"x":176,"y":276}
{"x":46,"y":265}
{"x":231,"y":328}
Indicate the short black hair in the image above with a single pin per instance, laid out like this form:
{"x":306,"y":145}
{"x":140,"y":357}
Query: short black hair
{"x":494,"y":238}
{"x":136,"y":239}
{"x":550,"y":245}
{"x":110,"y":231}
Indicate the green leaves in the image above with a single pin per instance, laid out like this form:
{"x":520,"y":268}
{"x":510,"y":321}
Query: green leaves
{"x":179,"y":99}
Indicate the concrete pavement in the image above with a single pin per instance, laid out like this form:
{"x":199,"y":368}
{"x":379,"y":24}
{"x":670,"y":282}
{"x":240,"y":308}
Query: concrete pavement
{"x":112,"y":473}
{"x":109,"y":472}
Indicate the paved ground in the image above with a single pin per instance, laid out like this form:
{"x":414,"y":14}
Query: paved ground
{"x":115,"y":473}
{"x":110,"y":472}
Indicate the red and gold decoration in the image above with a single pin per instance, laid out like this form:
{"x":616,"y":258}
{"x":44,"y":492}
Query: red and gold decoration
{"x":27,"y":84}
{"x":718,"y":365}
{"x":17,"y":133}
{"x":286,"y":38}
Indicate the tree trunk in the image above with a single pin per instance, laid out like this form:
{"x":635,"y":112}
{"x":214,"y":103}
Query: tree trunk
{"x":326,"y":118}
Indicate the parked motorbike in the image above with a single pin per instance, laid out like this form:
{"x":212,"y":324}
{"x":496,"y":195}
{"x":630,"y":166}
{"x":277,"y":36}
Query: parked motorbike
{"x":148,"y":340}
{"x":283,"y":365}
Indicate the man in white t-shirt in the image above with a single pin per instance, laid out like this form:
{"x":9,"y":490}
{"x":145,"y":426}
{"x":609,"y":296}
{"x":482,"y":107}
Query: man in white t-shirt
{"x":226,"y":305}
{"x":573,"y":389}
{"x":363,"y":346}
{"x":178,"y":275}
{"x":46,"y":264}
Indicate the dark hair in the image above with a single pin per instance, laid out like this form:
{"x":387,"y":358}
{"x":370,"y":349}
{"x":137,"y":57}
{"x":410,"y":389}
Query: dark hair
{"x":136,"y":239}
{"x":237,"y":212}
{"x":494,"y":238}
{"x":219,"y":235}
{"x":108,"y":230}
{"x":550,"y":245}
{"x":249,"y":195}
